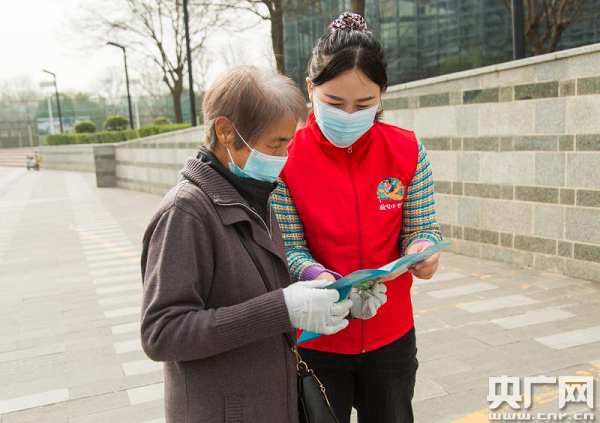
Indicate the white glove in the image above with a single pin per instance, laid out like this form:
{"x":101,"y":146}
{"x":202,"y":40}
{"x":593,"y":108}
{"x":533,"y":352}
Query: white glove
{"x":365,"y":303}
{"x":314,"y":309}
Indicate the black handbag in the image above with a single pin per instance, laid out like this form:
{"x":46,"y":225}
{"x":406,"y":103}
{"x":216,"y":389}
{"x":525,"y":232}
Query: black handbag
{"x":313,"y":404}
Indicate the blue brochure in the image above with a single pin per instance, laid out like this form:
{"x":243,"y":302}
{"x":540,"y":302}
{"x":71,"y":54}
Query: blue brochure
{"x":364,"y":279}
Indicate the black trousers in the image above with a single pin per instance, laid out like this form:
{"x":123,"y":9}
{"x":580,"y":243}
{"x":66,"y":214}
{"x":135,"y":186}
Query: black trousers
{"x":379,"y":384}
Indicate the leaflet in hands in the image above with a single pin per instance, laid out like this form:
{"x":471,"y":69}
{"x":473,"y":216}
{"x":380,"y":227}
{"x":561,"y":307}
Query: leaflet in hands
{"x":366,"y":278}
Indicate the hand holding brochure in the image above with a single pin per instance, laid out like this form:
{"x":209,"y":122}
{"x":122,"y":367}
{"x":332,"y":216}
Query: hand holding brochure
{"x":366,"y":278}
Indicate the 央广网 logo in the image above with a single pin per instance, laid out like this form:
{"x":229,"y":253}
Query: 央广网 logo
{"x":507,"y":390}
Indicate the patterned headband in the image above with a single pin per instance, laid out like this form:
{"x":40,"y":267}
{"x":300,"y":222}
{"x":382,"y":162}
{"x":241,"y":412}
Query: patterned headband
{"x":350,"y":22}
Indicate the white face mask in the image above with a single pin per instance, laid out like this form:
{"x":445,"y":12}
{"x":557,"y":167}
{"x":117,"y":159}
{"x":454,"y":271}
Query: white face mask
{"x":340,"y":128}
{"x":260,"y":166}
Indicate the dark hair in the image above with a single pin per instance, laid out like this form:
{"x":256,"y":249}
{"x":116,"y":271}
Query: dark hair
{"x":348,"y":45}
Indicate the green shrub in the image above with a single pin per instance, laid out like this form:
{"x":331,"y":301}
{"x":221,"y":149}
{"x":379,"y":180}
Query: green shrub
{"x":161,"y":120}
{"x":112,"y":136}
{"x":85,"y":126}
{"x":115,"y":123}
{"x":147,"y":131}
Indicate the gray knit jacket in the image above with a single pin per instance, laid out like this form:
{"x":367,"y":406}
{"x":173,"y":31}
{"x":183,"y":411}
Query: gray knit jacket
{"x":206,"y":312}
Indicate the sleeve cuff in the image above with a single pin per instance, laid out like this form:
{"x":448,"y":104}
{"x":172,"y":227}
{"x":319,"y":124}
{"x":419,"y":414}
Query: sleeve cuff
{"x":418,"y":241}
{"x":314,"y":270}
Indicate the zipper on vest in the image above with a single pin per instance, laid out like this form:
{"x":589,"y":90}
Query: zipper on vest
{"x":360,"y":238}
{"x":251,"y":211}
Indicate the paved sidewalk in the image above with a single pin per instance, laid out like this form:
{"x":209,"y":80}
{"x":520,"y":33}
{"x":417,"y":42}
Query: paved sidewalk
{"x":70,"y":297}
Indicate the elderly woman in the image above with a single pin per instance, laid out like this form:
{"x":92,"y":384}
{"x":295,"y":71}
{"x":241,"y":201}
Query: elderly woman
{"x":207,"y":312}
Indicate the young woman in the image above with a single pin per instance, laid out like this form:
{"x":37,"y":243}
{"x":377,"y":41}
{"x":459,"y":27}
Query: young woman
{"x":207,"y":312}
{"x":357,"y":194}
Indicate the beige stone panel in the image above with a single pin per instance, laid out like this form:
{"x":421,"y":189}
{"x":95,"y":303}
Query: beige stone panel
{"x":468,"y":211}
{"x":582,"y":225}
{"x":583,"y":269}
{"x":404,"y":118}
{"x":550,"y":116}
{"x":507,"y":168}
{"x":583,"y":170}
{"x":468,"y":83}
{"x":445,"y":208}
{"x":507,"y":216}
{"x":584,"y":65}
{"x":550,"y":169}
{"x":435,"y":122}
{"x":552,"y":71}
{"x":507,"y":255}
{"x":467,"y":120}
{"x":513,"y":118}
{"x":582,"y":114}
{"x":153,"y":155}
{"x":522,"y":75}
{"x":181,"y":156}
{"x":467,"y":166}
{"x":443,"y":164}
{"x":167,"y":155}
{"x":549,"y":221}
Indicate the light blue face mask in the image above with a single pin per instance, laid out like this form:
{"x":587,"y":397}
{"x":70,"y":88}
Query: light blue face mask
{"x":260,"y":166}
{"x":340,"y":128}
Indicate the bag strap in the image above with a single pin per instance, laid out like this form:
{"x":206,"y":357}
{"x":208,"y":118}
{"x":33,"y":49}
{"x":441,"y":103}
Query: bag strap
{"x":301,"y":366}
{"x":263,"y":275}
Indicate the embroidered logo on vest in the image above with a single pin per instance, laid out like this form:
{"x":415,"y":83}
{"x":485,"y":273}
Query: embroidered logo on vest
{"x":390,"y":190}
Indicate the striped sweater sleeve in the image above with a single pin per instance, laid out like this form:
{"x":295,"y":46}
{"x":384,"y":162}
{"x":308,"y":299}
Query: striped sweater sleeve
{"x":418,"y":211}
{"x":301,"y":263}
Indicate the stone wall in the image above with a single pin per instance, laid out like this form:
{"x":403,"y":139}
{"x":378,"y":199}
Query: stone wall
{"x":152,"y":164}
{"x":149,"y":164}
{"x":78,"y":158}
{"x":515,"y":152}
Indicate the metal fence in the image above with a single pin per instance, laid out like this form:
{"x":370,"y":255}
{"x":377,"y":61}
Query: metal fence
{"x":26,"y":123}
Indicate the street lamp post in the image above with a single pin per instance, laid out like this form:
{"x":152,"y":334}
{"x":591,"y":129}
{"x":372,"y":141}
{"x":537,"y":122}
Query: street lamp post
{"x":126,"y":80}
{"x":51,"y":129}
{"x":189,"y":60}
{"x":517,"y":27}
{"x":57,"y":99}
{"x":136,"y":102}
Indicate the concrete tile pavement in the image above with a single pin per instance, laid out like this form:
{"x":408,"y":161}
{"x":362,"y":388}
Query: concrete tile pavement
{"x":70,"y":296}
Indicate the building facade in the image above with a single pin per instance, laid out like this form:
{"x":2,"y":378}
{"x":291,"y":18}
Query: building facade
{"x":425,"y":38}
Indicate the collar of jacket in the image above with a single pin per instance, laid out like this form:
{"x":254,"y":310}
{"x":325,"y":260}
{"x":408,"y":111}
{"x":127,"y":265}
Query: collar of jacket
{"x":256,"y":193}
{"x":358,"y":148}
{"x":232,"y":208}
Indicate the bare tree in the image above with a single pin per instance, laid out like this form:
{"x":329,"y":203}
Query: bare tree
{"x":155,"y":28}
{"x":19,"y":89}
{"x":111,"y":86}
{"x":272,"y":11}
{"x":233,"y":54}
{"x":151,"y":83}
{"x":201,"y":67}
{"x":545,"y":23}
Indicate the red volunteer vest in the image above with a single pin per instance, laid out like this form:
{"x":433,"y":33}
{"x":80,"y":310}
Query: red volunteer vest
{"x":350,"y":203}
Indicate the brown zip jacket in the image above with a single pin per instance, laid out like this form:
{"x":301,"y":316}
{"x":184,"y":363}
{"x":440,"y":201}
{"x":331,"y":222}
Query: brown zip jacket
{"x":206,"y":312}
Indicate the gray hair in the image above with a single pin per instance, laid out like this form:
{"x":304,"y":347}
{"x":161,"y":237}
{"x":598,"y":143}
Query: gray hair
{"x":254,"y":100}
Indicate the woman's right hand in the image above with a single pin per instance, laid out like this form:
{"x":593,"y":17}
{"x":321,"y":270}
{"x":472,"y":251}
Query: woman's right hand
{"x":315,"y":309}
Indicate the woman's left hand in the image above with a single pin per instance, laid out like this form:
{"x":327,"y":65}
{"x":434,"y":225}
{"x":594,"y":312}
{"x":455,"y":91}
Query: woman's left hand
{"x":427,"y":268}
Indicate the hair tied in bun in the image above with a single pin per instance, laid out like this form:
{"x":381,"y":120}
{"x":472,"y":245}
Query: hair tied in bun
{"x":350,"y":22}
